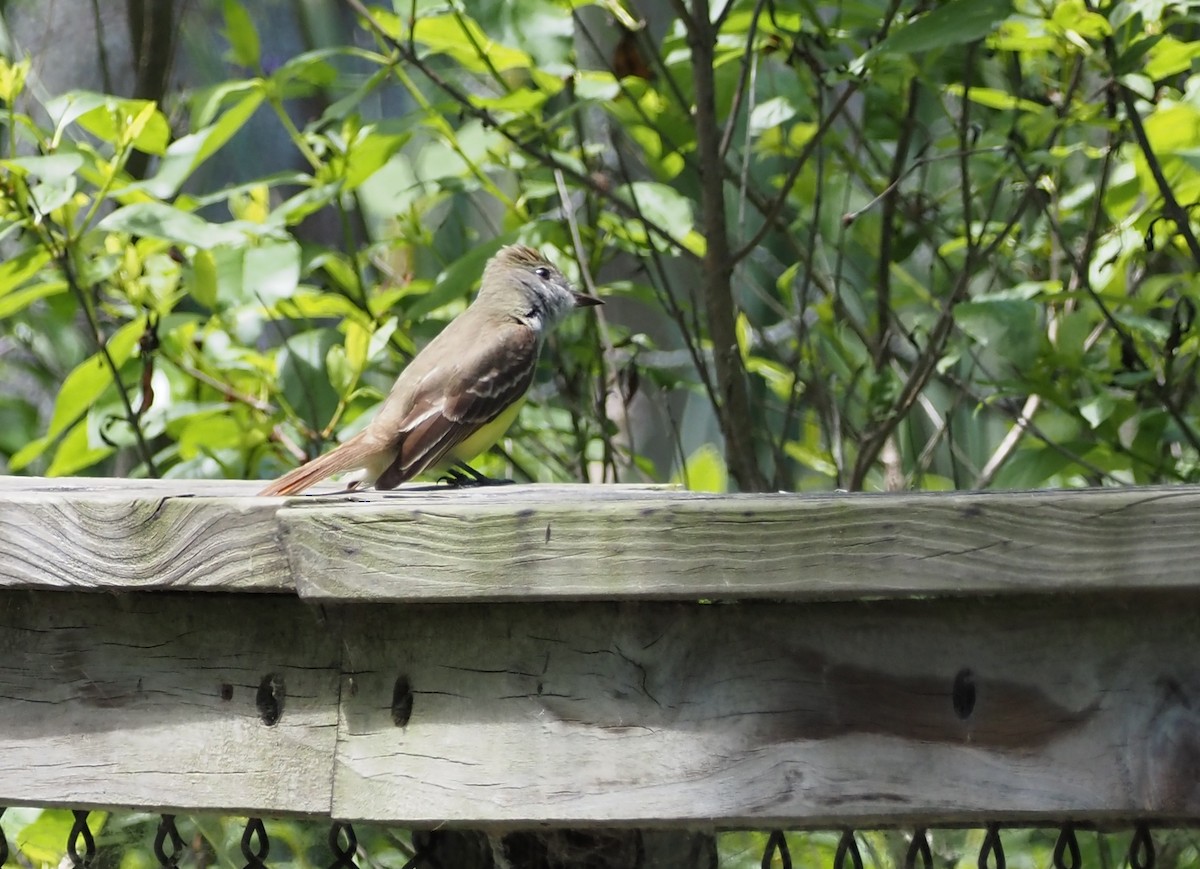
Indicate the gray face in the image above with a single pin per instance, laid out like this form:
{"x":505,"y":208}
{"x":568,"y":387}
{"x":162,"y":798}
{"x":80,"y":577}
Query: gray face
{"x":549,"y":294}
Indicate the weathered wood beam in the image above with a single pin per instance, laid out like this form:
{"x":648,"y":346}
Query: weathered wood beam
{"x":641,"y":714}
{"x":582,"y":542}
{"x":755,"y":714}
{"x":128,"y":534}
{"x":431,"y":543}
{"x":166,"y":702}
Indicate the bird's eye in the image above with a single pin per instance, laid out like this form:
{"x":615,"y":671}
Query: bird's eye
{"x":542,"y":272}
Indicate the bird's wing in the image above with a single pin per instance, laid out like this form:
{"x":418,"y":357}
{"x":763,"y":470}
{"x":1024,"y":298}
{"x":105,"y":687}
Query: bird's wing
{"x":448,"y":409}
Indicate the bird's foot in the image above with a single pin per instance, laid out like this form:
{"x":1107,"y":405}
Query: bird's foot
{"x":463,"y":476}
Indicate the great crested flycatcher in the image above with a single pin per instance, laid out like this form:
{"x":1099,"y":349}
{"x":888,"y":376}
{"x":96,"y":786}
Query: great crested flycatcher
{"x":462,"y":392}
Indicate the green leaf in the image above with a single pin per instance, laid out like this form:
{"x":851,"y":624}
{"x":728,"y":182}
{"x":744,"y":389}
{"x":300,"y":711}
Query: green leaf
{"x":342,"y":375}
{"x":1097,"y":409}
{"x":1007,"y":326}
{"x":82,"y":388}
{"x":242,"y":35}
{"x":272,"y":270}
{"x":203,"y":281}
{"x":951,"y":23}
{"x":771,"y":113}
{"x":76,"y":453}
{"x":704,"y":471}
{"x":1078,"y":23}
{"x":303,"y":379}
{"x":165,"y":222}
{"x":18,"y":300}
{"x":465,"y":41}
{"x":49,"y":168}
{"x":185,"y":154}
{"x":665,"y":206}
{"x":358,"y":342}
{"x":56,"y":174}
{"x":310,"y":68}
{"x":21,"y":268}
{"x":993,"y":98}
{"x":370,"y":152}
{"x":1168,"y":57}
{"x":113,"y":119}
{"x":12,"y":79}
{"x":206,"y":432}
{"x":1031,"y":468}
{"x":42,"y":841}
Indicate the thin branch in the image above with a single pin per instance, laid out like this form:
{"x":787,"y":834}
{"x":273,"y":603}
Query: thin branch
{"x":776,"y":207}
{"x":883,"y":291}
{"x":228,"y":392}
{"x":733,"y":408}
{"x":1171,"y":206}
{"x":739,"y":91}
{"x":131,"y":416}
{"x":408,"y":53}
{"x":926,"y":364}
{"x":606,"y":348}
{"x":1008,"y":445}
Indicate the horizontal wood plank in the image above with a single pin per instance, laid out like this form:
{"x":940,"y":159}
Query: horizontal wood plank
{"x":135,"y":535}
{"x":430,"y":543}
{"x":158,"y":702}
{"x":937,"y":711}
{"x":523,"y":543}
{"x":756,"y":714}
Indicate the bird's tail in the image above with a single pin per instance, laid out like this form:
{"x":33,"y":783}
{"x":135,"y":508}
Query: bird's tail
{"x":350,"y":455}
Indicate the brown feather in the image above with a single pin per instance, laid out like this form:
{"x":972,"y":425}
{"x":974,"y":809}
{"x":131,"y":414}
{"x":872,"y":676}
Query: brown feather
{"x":350,"y":455}
{"x":480,"y":388}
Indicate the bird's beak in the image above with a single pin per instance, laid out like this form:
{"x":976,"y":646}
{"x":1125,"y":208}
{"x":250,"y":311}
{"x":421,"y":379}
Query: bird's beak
{"x":583,"y":300}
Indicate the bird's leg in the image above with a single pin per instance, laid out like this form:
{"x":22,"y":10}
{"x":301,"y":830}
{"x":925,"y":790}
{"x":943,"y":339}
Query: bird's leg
{"x":463,"y":475}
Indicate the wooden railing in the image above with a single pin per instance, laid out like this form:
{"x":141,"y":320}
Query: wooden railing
{"x":615,"y":656}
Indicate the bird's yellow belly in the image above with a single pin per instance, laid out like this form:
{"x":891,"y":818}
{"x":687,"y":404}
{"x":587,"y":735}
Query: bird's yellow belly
{"x":482,"y":440}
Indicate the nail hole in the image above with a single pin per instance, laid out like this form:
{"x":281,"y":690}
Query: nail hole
{"x":402,"y":701}
{"x":962,"y":695}
{"x":226,"y":691}
{"x":269,"y":699}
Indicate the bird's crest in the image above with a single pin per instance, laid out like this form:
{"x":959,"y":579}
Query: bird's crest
{"x":519,"y":254}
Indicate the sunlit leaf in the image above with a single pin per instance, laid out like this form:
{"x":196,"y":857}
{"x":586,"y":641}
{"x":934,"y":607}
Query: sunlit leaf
{"x":704,"y":471}
{"x":950,"y":23}
{"x":242,"y":35}
{"x":158,"y":220}
{"x":465,"y":41}
{"x":185,"y":154}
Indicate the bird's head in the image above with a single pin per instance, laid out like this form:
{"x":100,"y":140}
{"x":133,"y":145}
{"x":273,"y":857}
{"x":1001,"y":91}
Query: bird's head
{"x":540,"y":294}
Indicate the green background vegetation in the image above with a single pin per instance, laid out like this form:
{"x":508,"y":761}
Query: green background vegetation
{"x":882,"y":245}
{"x":864,"y":245}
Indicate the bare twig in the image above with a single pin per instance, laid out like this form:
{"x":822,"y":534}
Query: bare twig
{"x":63,"y":258}
{"x":739,"y":91}
{"x":883,"y":292}
{"x":606,"y":348}
{"x":408,"y":53}
{"x":776,"y":207}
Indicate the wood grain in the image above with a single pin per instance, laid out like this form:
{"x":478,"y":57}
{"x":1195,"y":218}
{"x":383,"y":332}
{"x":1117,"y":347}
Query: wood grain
{"x":922,"y":659}
{"x":532,"y":543}
{"x":127,"y":535}
{"x":754,"y":714}
{"x":154,"y":701}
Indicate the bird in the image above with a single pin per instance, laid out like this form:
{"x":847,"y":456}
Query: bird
{"x":461,"y":392}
